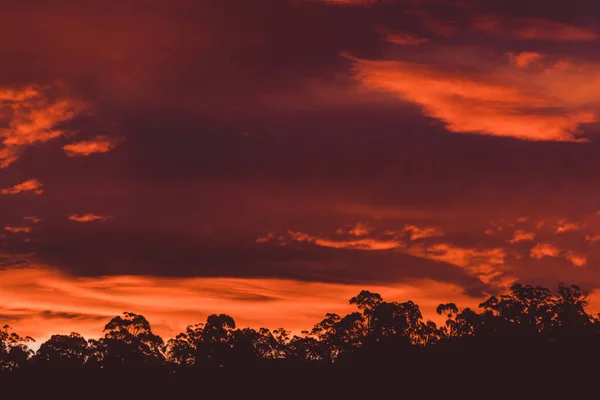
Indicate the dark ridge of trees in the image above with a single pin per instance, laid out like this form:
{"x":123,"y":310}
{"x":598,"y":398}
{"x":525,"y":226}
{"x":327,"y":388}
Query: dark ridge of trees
{"x":528,"y":336}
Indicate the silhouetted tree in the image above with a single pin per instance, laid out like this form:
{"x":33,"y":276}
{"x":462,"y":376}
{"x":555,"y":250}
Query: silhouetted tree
{"x":13,"y":349}
{"x":63,"y":351}
{"x":128,"y":342}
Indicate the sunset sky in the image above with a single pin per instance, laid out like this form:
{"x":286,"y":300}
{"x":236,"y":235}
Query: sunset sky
{"x":269,"y":159}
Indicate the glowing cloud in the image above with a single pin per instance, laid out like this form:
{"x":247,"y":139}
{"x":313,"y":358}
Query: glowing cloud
{"x":482,"y":263}
{"x":38,"y":297}
{"x":564,"y":226}
{"x":265,"y":239}
{"x":521,"y":236}
{"x":522,"y":103}
{"x":421,"y":233}
{"x":541,"y":250}
{"x":524,"y":59}
{"x":30,"y":116}
{"x":578,"y":260}
{"x":358,"y":244}
{"x":33,"y":219}
{"x":17,"y":229}
{"x":357,"y":230}
{"x":101,"y":144}
{"x":32,"y":185}
{"x":86,"y":217}
{"x":592,"y":238}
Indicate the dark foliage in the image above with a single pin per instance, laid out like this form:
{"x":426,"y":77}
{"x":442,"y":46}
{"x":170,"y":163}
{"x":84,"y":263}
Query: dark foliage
{"x":528,"y":337}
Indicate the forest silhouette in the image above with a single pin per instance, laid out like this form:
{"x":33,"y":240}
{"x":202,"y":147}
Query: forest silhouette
{"x":529,"y":335}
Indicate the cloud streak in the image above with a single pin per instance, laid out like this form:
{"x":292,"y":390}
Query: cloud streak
{"x":32,"y":185}
{"x":529,"y":105}
{"x":32,"y":115}
{"x":101,"y":144}
{"x":89,"y":217}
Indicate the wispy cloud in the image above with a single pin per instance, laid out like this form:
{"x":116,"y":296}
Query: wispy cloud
{"x":31,"y":115}
{"x":482,"y":263}
{"x":522,"y":236}
{"x":44,"y":300}
{"x":416,"y":232}
{"x":32,"y":185}
{"x":86,"y":217}
{"x":17,"y":229}
{"x":532,"y":104}
{"x":532,"y":29}
{"x":578,"y":260}
{"x":101,"y":144}
{"x":525,"y":58}
{"x":565,"y":226}
{"x":541,"y":250}
{"x":355,"y":244}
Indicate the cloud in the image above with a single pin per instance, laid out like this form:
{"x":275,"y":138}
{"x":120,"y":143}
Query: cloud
{"x":17,"y":229}
{"x":525,"y":58}
{"x":541,"y":250}
{"x":529,"y":105}
{"x":32,"y":185}
{"x":357,"y":230}
{"x":265,"y":239}
{"x":358,"y":244}
{"x":101,"y":144}
{"x":521,"y":236}
{"x":482,"y":263}
{"x":86,"y":217}
{"x":33,"y":219}
{"x":532,"y":29}
{"x":578,"y":260}
{"x":33,"y":115}
{"x":565,"y":226}
{"x":417,"y":233}
{"x":42,"y":301}
{"x":592,"y":238}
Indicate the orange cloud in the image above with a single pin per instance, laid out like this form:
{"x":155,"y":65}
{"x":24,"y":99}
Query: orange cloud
{"x":564,"y":226}
{"x":521,"y":236}
{"x":483,"y":263}
{"x":17,"y":229}
{"x":532,"y":28}
{"x":86,"y":217}
{"x":578,"y":260}
{"x":592,"y":238}
{"x":522,"y":103}
{"x":32,"y":185}
{"x":524,"y":59}
{"x":265,"y":239}
{"x":421,"y":233}
{"x":101,"y":144}
{"x":30,"y":116}
{"x":358,"y":230}
{"x":541,"y":250}
{"x":33,"y":219}
{"x":359,"y":244}
{"x":40,"y":301}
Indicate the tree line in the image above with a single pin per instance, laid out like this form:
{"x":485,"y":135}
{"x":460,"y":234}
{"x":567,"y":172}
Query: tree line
{"x":527,"y":319}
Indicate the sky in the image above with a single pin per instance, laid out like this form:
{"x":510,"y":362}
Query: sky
{"x":269,"y":159}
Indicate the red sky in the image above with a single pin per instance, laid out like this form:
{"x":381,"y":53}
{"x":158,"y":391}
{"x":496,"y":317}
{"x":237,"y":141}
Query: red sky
{"x":270,"y":159}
